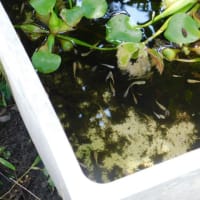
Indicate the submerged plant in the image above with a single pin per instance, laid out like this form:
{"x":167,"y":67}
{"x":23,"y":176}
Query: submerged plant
{"x":58,"y":19}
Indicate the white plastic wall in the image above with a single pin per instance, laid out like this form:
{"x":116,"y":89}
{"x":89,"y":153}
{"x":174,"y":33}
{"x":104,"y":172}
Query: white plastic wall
{"x":178,"y":178}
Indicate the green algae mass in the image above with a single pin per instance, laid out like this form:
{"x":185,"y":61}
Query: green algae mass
{"x":135,"y":143}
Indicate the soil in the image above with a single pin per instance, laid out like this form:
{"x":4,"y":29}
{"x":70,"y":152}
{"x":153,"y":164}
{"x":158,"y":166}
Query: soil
{"x":16,"y":140}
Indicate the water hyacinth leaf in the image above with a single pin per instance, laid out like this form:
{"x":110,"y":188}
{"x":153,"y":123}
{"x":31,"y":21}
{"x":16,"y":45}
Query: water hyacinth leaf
{"x":182,"y":29}
{"x":46,"y":62}
{"x":43,"y":7}
{"x":168,"y":3}
{"x":7,"y":164}
{"x":94,"y":9}
{"x":119,"y":29}
{"x":57,"y":25}
{"x":72,"y":16}
{"x":125,"y":52}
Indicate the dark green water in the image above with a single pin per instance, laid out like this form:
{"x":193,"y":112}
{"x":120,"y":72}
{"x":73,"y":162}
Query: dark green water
{"x":114,"y":134}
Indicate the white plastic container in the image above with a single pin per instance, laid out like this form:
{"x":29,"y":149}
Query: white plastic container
{"x":178,"y":178}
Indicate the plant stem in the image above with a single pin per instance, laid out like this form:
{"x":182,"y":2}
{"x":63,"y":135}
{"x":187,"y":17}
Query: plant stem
{"x":70,"y":3}
{"x":180,"y":5}
{"x":159,"y":31}
{"x":17,"y":182}
{"x":85,"y":44}
{"x":188,"y":60}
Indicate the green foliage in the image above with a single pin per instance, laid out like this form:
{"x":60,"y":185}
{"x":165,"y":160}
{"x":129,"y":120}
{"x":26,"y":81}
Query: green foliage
{"x":43,"y":7}
{"x":5,"y":93}
{"x":4,"y":159}
{"x":94,"y":9}
{"x":182,"y":29}
{"x":120,"y":30}
{"x":125,"y":53}
{"x":180,"y":25}
{"x":89,"y":9}
{"x":46,"y":62}
{"x":31,"y":28}
{"x":72,"y":16}
{"x":56,"y":25}
{"x":7,"y":164}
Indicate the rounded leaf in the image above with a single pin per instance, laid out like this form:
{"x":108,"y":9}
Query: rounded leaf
{"x":94,"y":9}
{"x":125,"y":52}
{"x":46,"y":62}
{"x":72,"y":16}
{"x":119,"y":29}
{"x":182,"y":29}
{"x":57,"y":25}
{"x":43,"y":7}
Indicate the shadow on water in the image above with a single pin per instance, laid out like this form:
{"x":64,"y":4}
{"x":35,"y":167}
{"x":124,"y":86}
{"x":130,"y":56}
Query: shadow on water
{"x":115,"y":131}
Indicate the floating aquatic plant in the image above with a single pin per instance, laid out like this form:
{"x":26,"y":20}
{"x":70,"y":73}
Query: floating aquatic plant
{"x":180,"y":27}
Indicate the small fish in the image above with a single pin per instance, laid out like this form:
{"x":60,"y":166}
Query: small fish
{"x":109,"y":66}
{"x":111,"y":82}
{"x":131,"y":85}
{"x":159,"y":116}
{"x":134,"y":98}
{"x":192,"y":81}
{"x":176,"y":76}
{"x":75,"y":68}
{"x":87,"y":53}
{"x":161,"y":106}
{"x":184,"y":32}
{"x":110,"y":76}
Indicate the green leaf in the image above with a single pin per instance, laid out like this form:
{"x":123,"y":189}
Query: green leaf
{"x":66,"y":45}
{"x":119,"y":29}
{"x":175,"y":7}
{"x":94,"y":9}
{"x":125,"y":52}
{"x":43,"y":7}
{"x":50,"y":42}
{"x":7,"y":164}
{"x":182,"y":29}
{"x":36,"y":161}
{"x":46,"y":62}
{"x":57,"y":25}
{"x":30,"y":28}
{"x":72,"y":16}
{"x":156,"y":59}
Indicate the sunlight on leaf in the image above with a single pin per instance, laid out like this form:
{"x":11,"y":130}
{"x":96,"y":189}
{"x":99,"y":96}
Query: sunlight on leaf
{"x":46,"y":62}
{"x":182,"y":29}
{"x":72,"y":16}
{"x":125,"y":52}
{"x":119,"y":29}
{"x":94,"y":9}
{"x":43,"y":7}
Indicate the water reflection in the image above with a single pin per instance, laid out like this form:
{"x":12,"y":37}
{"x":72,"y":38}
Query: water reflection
{"x":111,"y":135}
